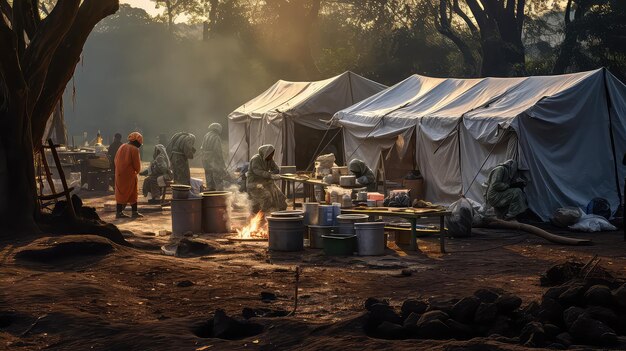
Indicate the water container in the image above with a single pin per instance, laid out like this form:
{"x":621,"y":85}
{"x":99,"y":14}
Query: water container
{"x":346,"y":201}
{"x":346,"y":222}
{"x":311,"y":213}
{"x":315,"y":235}
{"x":325,"y":215}
{"x":214,"y":212}
{"x":370,"y":238}
{"x":286,"y":233}
{"x":336,"y":212}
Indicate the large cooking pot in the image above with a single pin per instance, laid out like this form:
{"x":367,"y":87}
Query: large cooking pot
{"x":286,"y":233}
{"x":215,"y":212}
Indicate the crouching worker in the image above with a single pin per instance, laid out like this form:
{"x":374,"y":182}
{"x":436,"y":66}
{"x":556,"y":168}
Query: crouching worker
{"x":127,"y":167}
{"x":262,"y":172}
{"x":364,"y":175}
{"x":158,"y":174}
{"x":504,"y":191}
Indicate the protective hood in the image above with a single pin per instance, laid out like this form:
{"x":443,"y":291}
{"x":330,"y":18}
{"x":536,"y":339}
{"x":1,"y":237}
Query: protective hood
{"x":216,"y":127}
{"x":266,"y":150}
{"x":357,"y":167}
{"x":511,"y":167}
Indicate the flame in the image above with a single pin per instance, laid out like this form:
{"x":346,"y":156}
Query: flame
{"x":256,"y":229}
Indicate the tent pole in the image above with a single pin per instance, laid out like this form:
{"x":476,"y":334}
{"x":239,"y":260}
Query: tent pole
{"x":608,"y":106}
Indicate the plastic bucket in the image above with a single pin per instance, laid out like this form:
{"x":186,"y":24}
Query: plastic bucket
{"x":215,"y":212}
{"x":286,"y":233}
{"x":370,"y":238}
{"x":339,"y":245}
{"x":186,"y":216}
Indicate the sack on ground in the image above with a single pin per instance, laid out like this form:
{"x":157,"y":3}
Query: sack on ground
{"x":592,"y":223}
{"x":566,"y":216}
{"x":459,"y":223}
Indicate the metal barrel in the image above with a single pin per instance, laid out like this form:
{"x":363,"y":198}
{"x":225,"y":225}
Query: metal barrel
{"x":311,"y":213}
{"x":186,"y":216}
{"x":370,"y":238}
{"x":286,"y":233}
{"x":215,"y":212}
{"x":315,"y":235}
{"x":345,"y":222}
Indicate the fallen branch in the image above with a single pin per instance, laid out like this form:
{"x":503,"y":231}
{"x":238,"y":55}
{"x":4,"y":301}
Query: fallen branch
{"x":500,"y":224}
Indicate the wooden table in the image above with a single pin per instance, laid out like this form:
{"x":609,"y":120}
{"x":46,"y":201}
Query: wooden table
{"x":412,"y":214}
{"x":307,"y":182}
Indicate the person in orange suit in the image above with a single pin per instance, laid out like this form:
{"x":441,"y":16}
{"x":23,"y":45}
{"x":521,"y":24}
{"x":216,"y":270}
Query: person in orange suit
{"x":127,"y":167}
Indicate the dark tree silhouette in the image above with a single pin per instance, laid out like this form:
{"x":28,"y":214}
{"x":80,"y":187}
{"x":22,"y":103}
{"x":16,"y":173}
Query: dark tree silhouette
{"x":37,"y":59}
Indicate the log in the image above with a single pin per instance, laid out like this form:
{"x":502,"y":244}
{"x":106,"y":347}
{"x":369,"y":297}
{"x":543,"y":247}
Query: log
{"x":500,"y":224}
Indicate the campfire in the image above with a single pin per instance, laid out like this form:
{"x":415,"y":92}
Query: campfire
{"x":255,"y":229}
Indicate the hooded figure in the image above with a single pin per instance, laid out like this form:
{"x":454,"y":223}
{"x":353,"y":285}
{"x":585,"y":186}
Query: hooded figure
{"x":180,"y":150}
{"x":127,"y":166}
{"x":159,"y":171}
{"x":213,"y":158}
{"x":262,"y":173}
{"x":364,"y":175}
{"x":503,"y":193}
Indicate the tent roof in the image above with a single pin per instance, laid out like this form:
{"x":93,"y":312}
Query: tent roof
{"x":305,"y":98}
{"x":420,"y":97}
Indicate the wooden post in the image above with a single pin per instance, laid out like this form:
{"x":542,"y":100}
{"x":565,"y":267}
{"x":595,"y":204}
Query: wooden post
{"x":57,"y":162}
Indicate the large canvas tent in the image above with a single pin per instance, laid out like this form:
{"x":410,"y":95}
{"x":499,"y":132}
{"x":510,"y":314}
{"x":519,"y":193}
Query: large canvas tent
{"x":568,"y":132}
{"x":290,"y":111}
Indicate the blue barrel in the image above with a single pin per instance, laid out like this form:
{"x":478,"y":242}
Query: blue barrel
{"x":325,"y":215}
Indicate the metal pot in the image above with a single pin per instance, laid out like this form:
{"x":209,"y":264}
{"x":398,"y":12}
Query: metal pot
{"x":348,"y":180}
{"x":370,"y":238}
{"x":215,"y":212}
{"x":286,"y":233}
{"x":288,"y":213}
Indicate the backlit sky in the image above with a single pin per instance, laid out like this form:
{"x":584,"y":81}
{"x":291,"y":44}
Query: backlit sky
{"x":144,"y":4}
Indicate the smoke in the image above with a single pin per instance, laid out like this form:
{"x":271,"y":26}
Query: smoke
{"x":137,"y":76}
{"x":238,"y":207}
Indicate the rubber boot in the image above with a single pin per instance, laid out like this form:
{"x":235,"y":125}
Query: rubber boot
{"x":119,"y":213}
{"x":136,"y":214}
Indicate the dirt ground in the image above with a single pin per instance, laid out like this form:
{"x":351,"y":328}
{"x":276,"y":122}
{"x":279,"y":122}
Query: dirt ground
{"x":130,"y":298}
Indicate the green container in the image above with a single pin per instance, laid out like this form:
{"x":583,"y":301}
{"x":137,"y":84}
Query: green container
{"x":339,"y":245}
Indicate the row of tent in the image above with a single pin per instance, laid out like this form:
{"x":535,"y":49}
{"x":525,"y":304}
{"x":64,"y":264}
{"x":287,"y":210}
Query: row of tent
{"x":568,"y":132}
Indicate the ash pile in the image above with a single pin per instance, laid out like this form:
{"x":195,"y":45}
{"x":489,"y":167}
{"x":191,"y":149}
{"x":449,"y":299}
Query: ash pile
{"x":580,"y":307}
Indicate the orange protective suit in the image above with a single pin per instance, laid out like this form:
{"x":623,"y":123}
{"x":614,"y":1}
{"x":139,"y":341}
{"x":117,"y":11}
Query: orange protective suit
{"x":127,"y":166}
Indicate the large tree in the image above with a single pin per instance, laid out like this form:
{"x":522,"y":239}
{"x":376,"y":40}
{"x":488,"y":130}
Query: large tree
{"x":38,"y":55}
{"x":497,"y":25}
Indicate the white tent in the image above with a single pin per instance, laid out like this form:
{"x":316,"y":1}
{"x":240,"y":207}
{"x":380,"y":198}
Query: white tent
{"x":567,"y":131}
{"x":293,"y":117}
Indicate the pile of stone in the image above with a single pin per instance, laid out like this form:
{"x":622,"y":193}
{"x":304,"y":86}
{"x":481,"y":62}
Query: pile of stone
{"x":589,"y":311}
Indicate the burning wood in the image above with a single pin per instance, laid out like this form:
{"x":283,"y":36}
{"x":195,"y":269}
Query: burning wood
{"x":256,"y":228}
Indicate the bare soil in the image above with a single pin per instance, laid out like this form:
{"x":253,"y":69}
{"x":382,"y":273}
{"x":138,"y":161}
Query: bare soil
{"x":117,"y":298}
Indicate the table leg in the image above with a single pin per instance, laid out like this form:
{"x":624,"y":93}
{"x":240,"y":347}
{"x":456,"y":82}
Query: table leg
{"x":413,"y":243}
{"x":294,"y":195}
{"x":442,"y":235}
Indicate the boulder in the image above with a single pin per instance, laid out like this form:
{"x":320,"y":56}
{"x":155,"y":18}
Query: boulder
{"x":439,"y":305}
{"x":501,"y":326}
{"x":619,"y":295}
{"x":571,"y":314}
{"x":573,"y":296}
{"x":508,"y":303}
{"x":486,"y":313}
{"x":603,"y":314}
{"x":465,"y":309}
{"x":590,"y":331}
{"x":267,"y":296}
{"x":599,"y":295}
{"x":564,"y":339}
{"x":184,"y":283}
{"x":431,"y":316}
{"x":532,"y":309}
{"x":372,"y":301}
{"x":550,"y":311}
{"x":533,"y":335}
{"x":434,"y":329}
{"x":486,"y":295}
{"x":551,"y":331}
{"x":391,"y":331}
{"x":384,"y":313}
{"x":556,"y":291}
{"x":413,"y":306}
{"x":460,"y":330}
{"x":410,"y":323}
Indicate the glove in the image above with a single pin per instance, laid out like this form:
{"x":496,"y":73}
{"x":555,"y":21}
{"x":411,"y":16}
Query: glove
{"x":275,"y":177}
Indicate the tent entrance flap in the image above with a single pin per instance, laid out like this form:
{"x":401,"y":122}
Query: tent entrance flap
{"x":398,"y":165}
{"x":309,"y":139}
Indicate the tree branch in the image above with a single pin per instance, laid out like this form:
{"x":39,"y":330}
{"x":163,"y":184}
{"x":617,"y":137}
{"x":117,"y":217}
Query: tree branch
{"x":477,"y":12}
{"x":457,"y":9}
{"x":520,"y":14}
{"x":6,"y":9}
{"x":66,"y":58}
{"x":445,"y":29}
{"x":10,"y":69}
